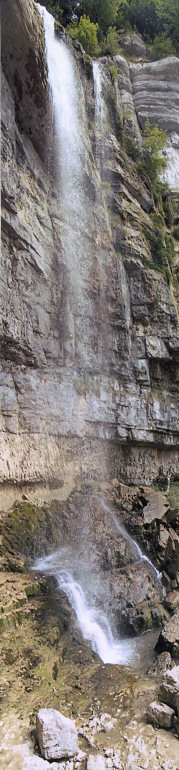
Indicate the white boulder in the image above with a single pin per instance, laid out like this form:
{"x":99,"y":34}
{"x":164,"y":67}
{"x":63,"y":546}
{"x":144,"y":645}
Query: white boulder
{"x":56,"y":735}
{"x":96,"y":763}
{"x":36,"y":763}
{"x":172,"y":677}
{"x":160,"y":715}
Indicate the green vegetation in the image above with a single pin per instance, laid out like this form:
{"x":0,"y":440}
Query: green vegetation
{"x":86,"y":32}
{"x":162,"y":46}
{"x":114,"y":74}
{"x":153,"y":144}
{"x":156,"y":20}
{"x":161,"y":242}
{"x":110,"y":43}
{"x":176,"y":232}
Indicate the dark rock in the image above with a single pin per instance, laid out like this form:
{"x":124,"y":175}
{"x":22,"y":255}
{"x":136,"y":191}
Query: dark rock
{"x":172,"y":601}
{"x":162,"y":663}
{"x":26,"y":68}
{"x":169,"y":636}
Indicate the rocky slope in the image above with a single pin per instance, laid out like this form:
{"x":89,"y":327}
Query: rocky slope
{"x":44,"y":659}
{"x":88,"y":353}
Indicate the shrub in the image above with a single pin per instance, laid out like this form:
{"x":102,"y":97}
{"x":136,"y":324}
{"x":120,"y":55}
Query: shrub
{"x":114,"y":73}
{"x":162,"y":250}
{"x":168,"y":210}
{"x":162,"y":46}
{"x":86,"y":33}
{"x":110,"y":44}
{"x":176,"y":232}
{"x":153,"y":144}
{"x":131,"y":145}
{"x":170,"y":249}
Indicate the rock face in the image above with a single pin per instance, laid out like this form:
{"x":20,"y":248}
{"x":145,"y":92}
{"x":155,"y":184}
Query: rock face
{"x":88,"y":328}
{"x":169,"y":636}
{"x":56,"y":734}
{"x":156,"y":95}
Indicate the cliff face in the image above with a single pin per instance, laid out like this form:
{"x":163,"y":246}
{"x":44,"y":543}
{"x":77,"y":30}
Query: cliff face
{"x":89,"y":329}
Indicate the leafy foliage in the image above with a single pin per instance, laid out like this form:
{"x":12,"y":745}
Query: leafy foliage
{"x":156,"y":20}
{"x":110,"y":43}
{"x":153,"y":144}
{"x":162,"y":46}
{"x":176,"y":232}
{"x":102,"y":12}
{"x":86,"y":32}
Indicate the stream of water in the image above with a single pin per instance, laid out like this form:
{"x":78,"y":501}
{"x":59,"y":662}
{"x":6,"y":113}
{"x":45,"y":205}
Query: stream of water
{"x":93,"y":622}
{"x":70,"y":147}
{"x":135,"y":548}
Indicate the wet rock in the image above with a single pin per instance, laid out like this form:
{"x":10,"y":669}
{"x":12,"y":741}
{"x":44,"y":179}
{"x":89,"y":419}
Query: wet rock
{"x":172,"y":517}
{"x":172,"y":601}
{"x":56,"y":734}
{"x":26,"y":67}
{"x":168,"y":694}
{"x":169,"y":689}
{"x":52,"y":337}
{"x":161,"y":665}
{"x":160,"y":715}
{"x":169,"y":636}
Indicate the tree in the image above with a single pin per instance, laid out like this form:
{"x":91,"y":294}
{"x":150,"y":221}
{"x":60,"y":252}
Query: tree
{"x":143,"y":14}
{"x":102,"y":12}
{"x":162,"y":46}
{"x":86,"y":32}
{"x":110,"y":44}
{"x":169,"y":20}
{"x":154,"y":142}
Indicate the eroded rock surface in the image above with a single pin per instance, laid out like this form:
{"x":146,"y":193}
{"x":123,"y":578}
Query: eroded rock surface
{"x":57,"y":735}
{"x":86,"y":345}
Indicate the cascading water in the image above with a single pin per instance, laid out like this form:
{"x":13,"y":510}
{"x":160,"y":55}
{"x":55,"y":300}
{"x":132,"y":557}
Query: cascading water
{"x":76,"y":250}
{"x":100,"y":114}
{"x":93,"y":623}
{"x":76,"y":217}
{"x":135,"y":548}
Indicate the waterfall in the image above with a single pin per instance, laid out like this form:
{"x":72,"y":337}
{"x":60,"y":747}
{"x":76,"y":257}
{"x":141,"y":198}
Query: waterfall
{"x":76,"y":210}
{"x":73,"y":208}
{"x":135,"y":548}
{"x":93,"y":623}
{"x":100,"y":114}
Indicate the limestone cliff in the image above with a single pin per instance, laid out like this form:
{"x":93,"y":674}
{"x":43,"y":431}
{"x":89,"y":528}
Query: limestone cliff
{"x":89,"y":327}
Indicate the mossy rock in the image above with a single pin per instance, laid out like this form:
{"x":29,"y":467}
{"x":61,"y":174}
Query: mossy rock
{"x":29,"y":531}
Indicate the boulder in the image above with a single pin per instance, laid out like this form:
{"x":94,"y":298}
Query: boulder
{"x":169,"y":636}
{"x":133,"y":44}
{"x":160,"y":665}
{"x":96,"y":763}
{"x":36,"y":763}
{"x":168,"y":695}
{"x":172,"y":601}
{"x":160,"y":715}
{"x":56,"y":735}
{"x":169,"y":689}
{"x":172,"y":677}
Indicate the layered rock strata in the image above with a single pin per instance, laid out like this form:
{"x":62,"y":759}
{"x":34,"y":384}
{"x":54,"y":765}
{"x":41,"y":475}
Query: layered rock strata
{"x":88,"y":366}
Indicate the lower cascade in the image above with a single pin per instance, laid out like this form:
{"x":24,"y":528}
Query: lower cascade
{"x":93,"y":623}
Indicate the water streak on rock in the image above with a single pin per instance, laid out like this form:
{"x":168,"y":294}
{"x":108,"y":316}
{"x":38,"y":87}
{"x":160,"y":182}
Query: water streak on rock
{"x":135,"y":548}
